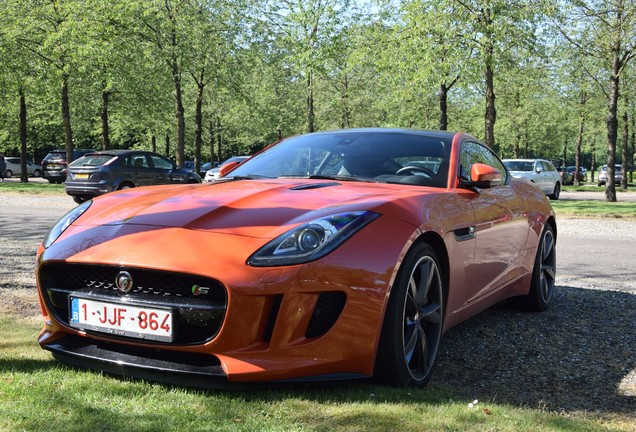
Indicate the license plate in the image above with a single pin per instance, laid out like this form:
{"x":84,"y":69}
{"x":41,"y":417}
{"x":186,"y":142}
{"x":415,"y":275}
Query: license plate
{"x":81,"y":176}
{"x":122,"y":319}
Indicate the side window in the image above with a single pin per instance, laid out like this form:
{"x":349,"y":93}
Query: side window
{"x":472,"y":153}
{"x":161,"y":163}
{"x":547,"y":166}
{"x":139,"y":161}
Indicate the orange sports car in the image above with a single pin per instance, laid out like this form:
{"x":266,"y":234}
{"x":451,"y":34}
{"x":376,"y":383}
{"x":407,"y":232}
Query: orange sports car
{"x":332,"y":255}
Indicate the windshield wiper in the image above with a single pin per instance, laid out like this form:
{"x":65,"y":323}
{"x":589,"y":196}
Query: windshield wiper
{"x":246,"y":177}
{"x":331,"y":177}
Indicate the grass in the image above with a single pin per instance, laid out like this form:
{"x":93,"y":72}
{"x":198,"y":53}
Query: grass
{"x":595,"y":209}
{"x":39,"y":393}
{"x":35,"y":188}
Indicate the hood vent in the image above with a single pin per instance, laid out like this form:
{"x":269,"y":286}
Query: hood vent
{"x":315,"y":186}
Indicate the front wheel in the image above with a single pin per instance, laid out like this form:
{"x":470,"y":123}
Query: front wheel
{"x":412,"y":328}
{"x":37,"y":173}
{"x":8,"y":174}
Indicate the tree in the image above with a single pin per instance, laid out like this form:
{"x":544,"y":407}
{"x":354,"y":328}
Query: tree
{"x":606,"y":31}
{"x":307,"y":28}
{"x":497,"y":25}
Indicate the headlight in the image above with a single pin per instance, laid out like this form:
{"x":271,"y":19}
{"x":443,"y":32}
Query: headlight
{"x":312,"y":240}
{"x":64,"y":222}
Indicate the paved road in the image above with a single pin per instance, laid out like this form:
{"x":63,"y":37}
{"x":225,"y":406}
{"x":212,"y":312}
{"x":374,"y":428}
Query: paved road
{"x":597,"y":254}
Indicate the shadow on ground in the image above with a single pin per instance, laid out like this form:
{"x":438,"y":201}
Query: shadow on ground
{"x":580,"y":355}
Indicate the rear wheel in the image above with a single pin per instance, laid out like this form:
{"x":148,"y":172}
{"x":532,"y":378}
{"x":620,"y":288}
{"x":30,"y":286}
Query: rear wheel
{"x":8,"y":174}
{"x":37,"y":173}
{"x":125,"y":185}
{"x":543,"y":275}
{"x":80,"y":198}
{"x":557,"y":192}
{"x":412,"y":328}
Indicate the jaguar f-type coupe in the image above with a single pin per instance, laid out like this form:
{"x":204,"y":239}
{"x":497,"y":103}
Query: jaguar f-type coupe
{"x":331,"y":255}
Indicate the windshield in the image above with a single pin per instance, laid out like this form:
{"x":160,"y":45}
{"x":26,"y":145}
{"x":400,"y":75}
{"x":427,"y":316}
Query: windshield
{"x":390,"y":157}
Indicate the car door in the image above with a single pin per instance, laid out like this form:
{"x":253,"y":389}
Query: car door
{"x":162,"y":169}
{"x":501,"y":226}
{"x":139,"y":168}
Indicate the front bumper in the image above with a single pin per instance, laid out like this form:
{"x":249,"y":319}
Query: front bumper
{"x":320,"y":320}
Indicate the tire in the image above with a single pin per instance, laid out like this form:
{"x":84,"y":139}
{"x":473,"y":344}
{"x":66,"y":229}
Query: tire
{"x":543,"y":275}
{"x":125,"y":185}
{"x":557,"y":192}
{"x":412,"y":328}
{"x":8,"y":174}
{"x":79,"y":199}
{"x":37,"y":173}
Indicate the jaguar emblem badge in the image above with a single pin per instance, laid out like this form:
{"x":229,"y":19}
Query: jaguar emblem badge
{"x":124,"y":282}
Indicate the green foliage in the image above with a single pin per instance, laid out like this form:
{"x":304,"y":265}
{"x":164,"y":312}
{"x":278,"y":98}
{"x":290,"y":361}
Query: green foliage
{"x":250,"y":61}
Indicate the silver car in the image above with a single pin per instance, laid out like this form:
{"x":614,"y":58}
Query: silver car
{"x":14,"y":167}
{"x":618,"y":175}
{"x":213,"y":174}
{"x":541,"y":172}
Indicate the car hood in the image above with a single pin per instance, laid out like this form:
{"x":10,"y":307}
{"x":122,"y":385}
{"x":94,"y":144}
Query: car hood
{"x":260,"y":208}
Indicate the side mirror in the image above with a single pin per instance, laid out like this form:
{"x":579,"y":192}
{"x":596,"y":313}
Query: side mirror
{"x":539,"y":170}
{"x":482,"y":176}
{"x":227,"y":168}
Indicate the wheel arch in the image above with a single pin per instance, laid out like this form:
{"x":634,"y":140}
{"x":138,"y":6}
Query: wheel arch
{"x":127,"y":182}
{"x":438,"y":245}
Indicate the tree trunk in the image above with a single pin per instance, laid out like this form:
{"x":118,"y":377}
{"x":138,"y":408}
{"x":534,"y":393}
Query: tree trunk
{"x":630,"y":158}
{"x":491,"y":112}
{"x":24,"y":177}
{"x":624,"y":151}
{"x":519,"y":136}
{"x":66,"y":119}
{"x":153,"y":143}
{"x":212,"y":151}
{"x":346,"y":113}
{"x":577,"y":153}
{"x":179,"y":114}
{"x":443,"y":107}
{"x":167,"y":144}
{"x":218,"y":138}
{"x":612,"y":125}
{"x":310,"y":101}
{"x":104,"y":115}
{"x":198,"y":131}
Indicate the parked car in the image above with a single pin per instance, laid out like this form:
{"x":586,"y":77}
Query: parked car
{"x":567,"y":178}
{"x":288,"y":269}
{"x":213,"y":174}
{"x":581,"y":173}
{"x":54,"y":164}
{"x":207,"y":167}
{"x":618,"y":175}
{"x":98,"y":173}
{"x":541,"y":172}
{"x":14,"y":167}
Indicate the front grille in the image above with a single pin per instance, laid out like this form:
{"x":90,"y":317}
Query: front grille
{"x":198,"y":303}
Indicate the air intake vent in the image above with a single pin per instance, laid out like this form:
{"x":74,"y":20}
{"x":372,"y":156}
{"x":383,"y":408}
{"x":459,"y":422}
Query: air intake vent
{"x":326,"y":313}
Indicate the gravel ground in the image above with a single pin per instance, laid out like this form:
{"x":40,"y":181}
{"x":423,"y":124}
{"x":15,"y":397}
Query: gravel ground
{"x":577,"y":357}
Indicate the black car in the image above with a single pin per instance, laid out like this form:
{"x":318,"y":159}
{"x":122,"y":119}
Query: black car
{"x":567,"y":178}
{"x":54,"y":164}
{"x":100,"y":172}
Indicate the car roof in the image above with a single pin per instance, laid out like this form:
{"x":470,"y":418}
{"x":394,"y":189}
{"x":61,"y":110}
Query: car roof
{"x":118,"y":152}
{"x":524,"y":160}
{"x":424,"y":132}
